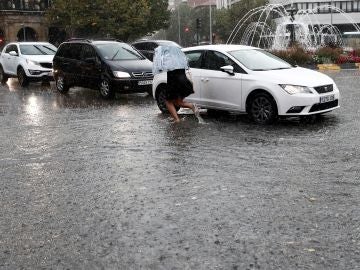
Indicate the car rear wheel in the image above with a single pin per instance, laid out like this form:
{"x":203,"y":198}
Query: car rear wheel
{"x":106,"y":90}
{"x":3,"y":76}
{"x":161,"y":99}
{"x":61,"y":86}
{"x":263,"y":109}
{"x":23,"y":79}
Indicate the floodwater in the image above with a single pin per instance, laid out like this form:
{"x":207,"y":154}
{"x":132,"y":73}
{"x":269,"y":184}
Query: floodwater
{"x":93,"y":184}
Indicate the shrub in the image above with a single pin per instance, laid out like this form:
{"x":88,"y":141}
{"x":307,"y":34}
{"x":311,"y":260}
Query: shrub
{"x":348,"y":58}
{"x":295,"y":56}
{"x":343,"y":58}
{"x":328,"y":55}
{"x":356,"y":52}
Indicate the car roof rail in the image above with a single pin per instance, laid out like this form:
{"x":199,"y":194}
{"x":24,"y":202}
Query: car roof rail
{"x":79,"y":39}
{"x":108,"y":39}
{"x":94,"y":39}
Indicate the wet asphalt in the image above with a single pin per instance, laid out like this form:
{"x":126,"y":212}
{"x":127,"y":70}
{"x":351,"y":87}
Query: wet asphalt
{"x":94,"y":184}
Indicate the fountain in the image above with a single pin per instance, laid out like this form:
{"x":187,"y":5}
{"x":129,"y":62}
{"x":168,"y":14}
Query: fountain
{"x":275,"y":28}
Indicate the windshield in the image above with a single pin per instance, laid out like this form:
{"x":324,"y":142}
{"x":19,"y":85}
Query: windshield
{"x":118,"y":51}
{"x":259,"y":60}
{"x":38,"y":49}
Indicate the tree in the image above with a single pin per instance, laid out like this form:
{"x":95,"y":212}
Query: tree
{"x":223,"y":22}
{"x":181,"y":18}
{"x":159,"y":15}
{"x":122,"y":19}
{"x":227,"y":19}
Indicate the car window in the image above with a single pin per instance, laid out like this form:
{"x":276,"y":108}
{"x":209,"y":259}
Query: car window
{"x":259,"y":60}
{"x":12,"y":48}
{"x":87,"y":52}
{"x":140,"y":46}
{"x":194,"y":58}
{"x":215,"y":60}
{"x":37,"y":49}
{"x":69,"y":50}
{"x":118,"y":51}
{"x":152,"y":46}
{"x":168,"y":43}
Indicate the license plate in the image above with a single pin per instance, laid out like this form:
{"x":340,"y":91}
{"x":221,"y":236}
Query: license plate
{"x":145,"y":82}
{"x":325,"y":99}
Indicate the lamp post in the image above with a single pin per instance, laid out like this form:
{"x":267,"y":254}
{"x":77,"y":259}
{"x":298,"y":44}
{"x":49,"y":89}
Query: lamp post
{"x":211,"y":41}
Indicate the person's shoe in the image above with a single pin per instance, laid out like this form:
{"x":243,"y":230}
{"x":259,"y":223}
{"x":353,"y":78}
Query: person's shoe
{"x":196,"y":110}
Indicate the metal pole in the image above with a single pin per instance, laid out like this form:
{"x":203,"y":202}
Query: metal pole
{"x":331,"y":13}
{"x":179,"y":36}
{"x":211,"y":41}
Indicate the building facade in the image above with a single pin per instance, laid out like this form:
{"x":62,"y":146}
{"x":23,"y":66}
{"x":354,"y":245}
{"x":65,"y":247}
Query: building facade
{"x":225,"y":3}
{"x":23,"y":20}
{"x":345,"y":15}
{"x":192,"y":3}
{"x":201,"y":3}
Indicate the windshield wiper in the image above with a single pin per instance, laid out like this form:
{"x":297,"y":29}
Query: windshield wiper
{"x":112,"y":58}
{"x":40,"y":50}
{"x":131,"y":52}
{"x":50,"y":49}
{"x":281,"y":68}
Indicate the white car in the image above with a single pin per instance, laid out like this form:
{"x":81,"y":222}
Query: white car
{"x":28,"y":61}
{"x":251,"y":80}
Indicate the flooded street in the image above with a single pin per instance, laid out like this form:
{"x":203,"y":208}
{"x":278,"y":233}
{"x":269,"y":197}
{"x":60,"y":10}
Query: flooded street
{"x":93,"y":184}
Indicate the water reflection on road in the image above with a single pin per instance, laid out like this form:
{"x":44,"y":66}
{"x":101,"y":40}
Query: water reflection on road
{"x":90,"y":183}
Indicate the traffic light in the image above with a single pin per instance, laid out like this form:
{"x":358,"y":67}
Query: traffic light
{"x":186,"y":29}
{"x":198,"y":23}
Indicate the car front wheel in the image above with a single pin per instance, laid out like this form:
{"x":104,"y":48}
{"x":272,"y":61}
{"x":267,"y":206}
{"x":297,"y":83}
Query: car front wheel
{"x":23,"y":79}
{"x":263,"y":109}
{"x":61,"y":85}
{"x":161,"y":99}
{"x":3,"y":76}
{"x":106,"y":90}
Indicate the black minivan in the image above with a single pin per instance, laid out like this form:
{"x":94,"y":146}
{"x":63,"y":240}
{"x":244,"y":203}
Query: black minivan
{"x":107,"y":65}
{"x":147,"y":47}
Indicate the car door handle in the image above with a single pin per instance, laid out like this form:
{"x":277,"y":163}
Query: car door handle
{"x":204,"y":79}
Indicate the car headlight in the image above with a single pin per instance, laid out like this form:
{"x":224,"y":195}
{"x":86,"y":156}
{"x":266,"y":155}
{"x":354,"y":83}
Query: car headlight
{"x":31,"y":62}
{"x":121,"y":74}
{"x":295,"y":89}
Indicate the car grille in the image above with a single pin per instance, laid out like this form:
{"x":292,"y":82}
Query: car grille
{"x":46,"y":65}
{"x":324,"y":88}
{"x":145,"y":74}
{"x":323,"y":106}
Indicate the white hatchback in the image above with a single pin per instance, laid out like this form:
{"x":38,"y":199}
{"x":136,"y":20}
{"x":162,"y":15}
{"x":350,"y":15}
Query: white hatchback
{"x":28,"y":61}
{"x":251,"y":80}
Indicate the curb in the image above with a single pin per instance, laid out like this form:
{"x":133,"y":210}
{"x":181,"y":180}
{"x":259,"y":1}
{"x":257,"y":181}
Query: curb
{"x":338,"y":67}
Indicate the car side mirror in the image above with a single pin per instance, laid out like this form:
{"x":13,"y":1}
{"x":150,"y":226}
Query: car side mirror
{"x":228,"y":69}
{"x":13,"y":53}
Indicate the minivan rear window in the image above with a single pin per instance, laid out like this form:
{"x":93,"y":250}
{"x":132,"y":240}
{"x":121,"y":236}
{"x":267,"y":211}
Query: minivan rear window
{"x":118,"y":51}
{"x":70,"y":50}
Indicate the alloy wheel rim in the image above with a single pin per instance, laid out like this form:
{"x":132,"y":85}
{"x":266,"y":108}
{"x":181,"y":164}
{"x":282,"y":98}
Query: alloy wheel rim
{"x":60,"y":83}
{"x":162,"y":99}
{"x":262,"y":109}
{"x":21,"y":77}
{"x":104,"y":88}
